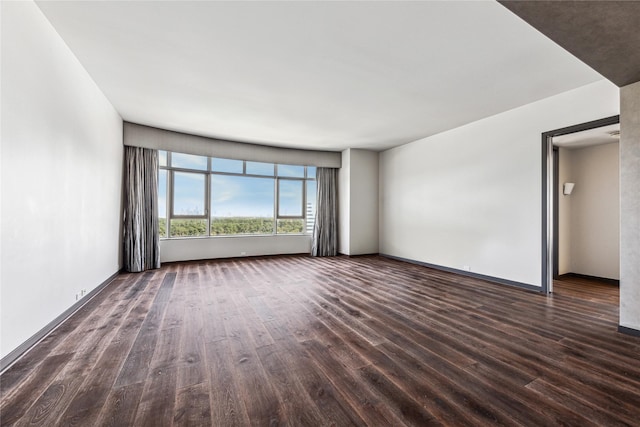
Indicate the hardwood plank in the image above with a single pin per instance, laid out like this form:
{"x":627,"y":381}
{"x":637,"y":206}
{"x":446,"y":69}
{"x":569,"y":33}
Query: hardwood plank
{"x":403,"y":405}
{"x":297,"y":407}
{"x":366,"y":400}
{"x":136,"y":366}
{"x":597,"y":415}
{"x":158,"y":398}
{"x":89,"y":400}
{"x":191,"y":366}
{"x":192,"y":406}
{"x":122,"y":327}
{"x":295,"y":340}
{"x":227,"y":408}
{"x":121,"y":406}
{"x":257,"y":393}
{"x":288,"y":358}
{"x":15,"y":405}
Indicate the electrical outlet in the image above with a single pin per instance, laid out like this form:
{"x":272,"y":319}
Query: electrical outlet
{"x":243,"y":253}
{"x":83,"y":292}
{"x":466,"y":268}
{"x":77,"y":297}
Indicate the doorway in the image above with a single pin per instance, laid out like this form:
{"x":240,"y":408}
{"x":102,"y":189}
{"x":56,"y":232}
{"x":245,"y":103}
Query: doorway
{"x":554,"y":195}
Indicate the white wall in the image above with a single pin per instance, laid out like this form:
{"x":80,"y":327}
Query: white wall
{"x":232,"y":246}
{"x":630,"y":206}
{"x":565,"y":174}
{"x":61,"y":177}
{"x":472,"y":196}
{"x":595,"y":211}
{"x":358,"y":202}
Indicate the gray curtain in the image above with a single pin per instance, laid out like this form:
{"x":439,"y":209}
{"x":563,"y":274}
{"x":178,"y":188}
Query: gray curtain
{"x":325,"y":230}
{"x":141,"y":237}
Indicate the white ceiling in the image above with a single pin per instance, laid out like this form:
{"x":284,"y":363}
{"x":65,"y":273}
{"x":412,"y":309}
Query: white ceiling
{"x":321,"y":75}
{"x":587,"y":138}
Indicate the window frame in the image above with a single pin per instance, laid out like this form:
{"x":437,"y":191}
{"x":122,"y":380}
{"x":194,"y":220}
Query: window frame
{"x":208,"y":173}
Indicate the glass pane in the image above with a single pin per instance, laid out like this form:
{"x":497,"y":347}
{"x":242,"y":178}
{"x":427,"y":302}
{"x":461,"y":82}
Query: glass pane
{"x":241,"y":205}
{"x":188,"y":227}
{"x":290,"y":197}
{"x":162,"y":202}
{"x":311,"y":172}
{"x":188,"y":193}
{"x":226,"y":165}
{"x":188,"y":161}
{"x":257,"y":168}
{"x":291,"y":171}
{"x":290,"y":226}
{"x":311,"y":206}
{"x":162,"y":158}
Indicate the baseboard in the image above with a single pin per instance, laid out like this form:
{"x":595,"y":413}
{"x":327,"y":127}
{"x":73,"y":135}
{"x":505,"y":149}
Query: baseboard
{"x":358,"y":255}
{"x":628,"y":331}
{"x":23,"y":348}
{"x":469,"y":274}
{"x":586,"y":276}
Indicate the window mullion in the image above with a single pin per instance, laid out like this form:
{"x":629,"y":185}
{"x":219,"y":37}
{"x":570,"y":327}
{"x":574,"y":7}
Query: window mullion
{"x":276,"y":204}
{"x":169,"y":198}
{"x":207,"y":201}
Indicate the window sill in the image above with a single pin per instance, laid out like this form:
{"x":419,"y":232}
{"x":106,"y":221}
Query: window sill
{"x":237,"y":236}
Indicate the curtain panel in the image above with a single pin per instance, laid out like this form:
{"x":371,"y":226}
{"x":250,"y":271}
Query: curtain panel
{"x":141,"y":237}
{"x":325,"y":230}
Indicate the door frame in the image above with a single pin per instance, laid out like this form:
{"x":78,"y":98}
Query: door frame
{"x":550,"y":197}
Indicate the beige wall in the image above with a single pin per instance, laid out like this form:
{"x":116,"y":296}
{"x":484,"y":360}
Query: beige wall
{"x":630,"y":206}
{"x":364,"y":202}
{"x":358,"y":202}
{"x":589,"y":220}
{"x":344,"y":203}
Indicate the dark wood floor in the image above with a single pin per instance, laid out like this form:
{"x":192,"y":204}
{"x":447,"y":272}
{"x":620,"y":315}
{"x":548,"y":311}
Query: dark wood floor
{"x":329,"y":341}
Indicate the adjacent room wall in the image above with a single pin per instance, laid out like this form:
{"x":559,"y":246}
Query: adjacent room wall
{"x":61,"y":177}
{"x":565,"y":174}
{"x":630,"y":206}
{"x":595,"y":211}
{"x":471,"y":197}
{"x":358,"y":202}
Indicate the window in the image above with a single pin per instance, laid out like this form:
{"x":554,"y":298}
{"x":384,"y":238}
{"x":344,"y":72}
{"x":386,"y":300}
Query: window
{"x":291,"y":171}
{"x":201,"y":196}
{"x":188,"y":213}
{"x":162,"y":158}
{"x":290,"y":206}
{"x":257,"y":168}
{"x":188,"y":194}
{"x":162,"y":201}
{"x":227,"y":165}
{"x":188,"y":161}
{"x":290,"y":198}
{"x":241,"y":205}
